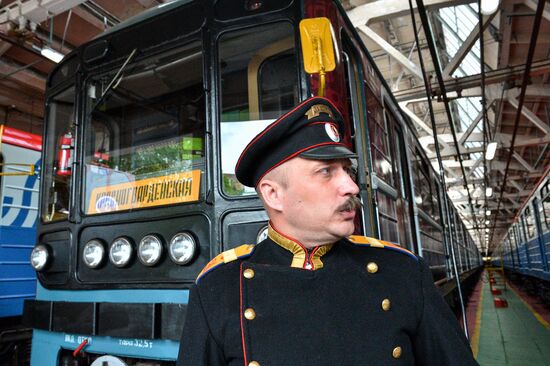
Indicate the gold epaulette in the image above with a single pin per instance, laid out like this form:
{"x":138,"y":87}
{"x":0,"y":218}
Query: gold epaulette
{"x":230,"y":255}
{"x":375,"y":243}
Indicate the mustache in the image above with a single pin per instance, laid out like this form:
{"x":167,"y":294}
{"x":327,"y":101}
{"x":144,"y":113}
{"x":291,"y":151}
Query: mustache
{"x":352,"y":203}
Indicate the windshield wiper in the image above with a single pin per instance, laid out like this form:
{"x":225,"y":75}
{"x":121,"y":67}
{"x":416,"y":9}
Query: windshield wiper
{"x":116,"y":79}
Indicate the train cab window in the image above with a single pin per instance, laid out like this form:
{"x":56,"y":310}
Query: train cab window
{"x":258,"y":83}
{"x":144,"y":135}
{"x":59,"y":154}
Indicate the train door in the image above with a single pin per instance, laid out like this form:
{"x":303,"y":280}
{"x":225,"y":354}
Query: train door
{"x":539,"y":217}
{"x":356,"y":94}
{"x":515,"y":245}
{"x":524,"y":239}
{"x":397,"y":195}
{"x":544,"y":214}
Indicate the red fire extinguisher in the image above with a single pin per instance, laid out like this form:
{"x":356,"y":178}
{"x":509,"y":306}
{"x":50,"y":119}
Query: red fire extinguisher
{"x":65,"y":154}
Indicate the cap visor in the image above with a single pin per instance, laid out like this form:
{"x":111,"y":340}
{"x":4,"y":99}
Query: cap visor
{"x":328,"y":152}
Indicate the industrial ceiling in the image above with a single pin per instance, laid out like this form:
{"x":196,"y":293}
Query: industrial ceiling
{"x":509,"y":110}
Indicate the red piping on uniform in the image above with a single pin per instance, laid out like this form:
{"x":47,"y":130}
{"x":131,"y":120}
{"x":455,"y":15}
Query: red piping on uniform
{"x":310,"y":260}
{"x":298,"y":153}
{"x":280,"y":119}
{"x":241,"y":313}
{"x":323,"y":123}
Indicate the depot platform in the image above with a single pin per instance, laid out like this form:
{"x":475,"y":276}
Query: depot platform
{"x":507,"y":325}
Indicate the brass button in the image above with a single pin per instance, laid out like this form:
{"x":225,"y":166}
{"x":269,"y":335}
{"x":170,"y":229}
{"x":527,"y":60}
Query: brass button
{"x":250,"y":314}
{"x":248,"y":274}
{"x":372,"y":267}
{"x":386,"y":304}
{"x":396,"y":353}
{"x":253,"y":363}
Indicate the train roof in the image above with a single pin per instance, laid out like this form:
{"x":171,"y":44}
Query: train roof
{"x":150,"y":13}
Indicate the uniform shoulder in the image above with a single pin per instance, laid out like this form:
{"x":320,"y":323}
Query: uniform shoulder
{"x":366,"y":241}
{"x":243,"y":251}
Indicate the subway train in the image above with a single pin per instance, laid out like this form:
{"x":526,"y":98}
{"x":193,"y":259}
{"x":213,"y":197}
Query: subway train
{"x":19,"y":164}
{"x":143,"y":128}
{"x":524,"y":253}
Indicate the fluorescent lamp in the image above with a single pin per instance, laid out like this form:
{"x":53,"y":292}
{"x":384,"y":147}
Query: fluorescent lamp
{"x":488,"y":7}
{"x":51,"y":54}
{"x":491,"y":149}
{"x":489,"y":192}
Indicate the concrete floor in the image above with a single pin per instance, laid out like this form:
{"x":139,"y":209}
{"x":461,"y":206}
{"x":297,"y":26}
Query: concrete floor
{"x":516,"y":335}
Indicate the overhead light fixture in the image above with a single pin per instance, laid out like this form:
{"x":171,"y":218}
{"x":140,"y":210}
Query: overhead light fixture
{"x":488,"y":7}
{"x":488,"y":213}
{"x":491,"y":150}
{"x":489,"y":192}
{"x":51,"y":54}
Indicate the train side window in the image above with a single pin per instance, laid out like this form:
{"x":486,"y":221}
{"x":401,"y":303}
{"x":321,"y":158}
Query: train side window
{"x":379,"y":139}
{"x":529,"y":223}
{"x":545,"y":210}
{"x":58,"y":154}
{"x":259,"y":82}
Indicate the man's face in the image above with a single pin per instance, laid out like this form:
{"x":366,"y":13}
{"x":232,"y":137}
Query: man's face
{"x":314,"y":208}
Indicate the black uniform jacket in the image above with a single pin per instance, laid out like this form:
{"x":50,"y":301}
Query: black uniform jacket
{"x":359,"y":301}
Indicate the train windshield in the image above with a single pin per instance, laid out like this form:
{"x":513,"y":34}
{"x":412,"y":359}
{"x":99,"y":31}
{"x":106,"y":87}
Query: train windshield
{"x":144,"y":135}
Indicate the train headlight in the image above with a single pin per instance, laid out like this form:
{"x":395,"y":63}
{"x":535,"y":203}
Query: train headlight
{"x":150,"y":250}
{"x":93,"y":253}
{"x":120,"y":252}
{"x":182,"y":248}
{"x":262,"y":235}
{"x":39,"y":257}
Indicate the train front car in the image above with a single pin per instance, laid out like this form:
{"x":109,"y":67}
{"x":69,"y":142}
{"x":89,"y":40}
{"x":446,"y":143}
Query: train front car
{"x":143,"y":128}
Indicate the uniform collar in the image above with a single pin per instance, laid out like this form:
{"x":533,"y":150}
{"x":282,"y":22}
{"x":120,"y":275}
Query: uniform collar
{"x":302,"y":257}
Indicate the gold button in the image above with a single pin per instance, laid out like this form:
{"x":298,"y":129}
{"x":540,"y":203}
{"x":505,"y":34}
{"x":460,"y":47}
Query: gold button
{"x":386,"y":304}
{"x":248,"y":273}
{"x":250,"y":314}
{"x":372,"y":267}
{"x":253,"y":363}
{"x":396,"y":352}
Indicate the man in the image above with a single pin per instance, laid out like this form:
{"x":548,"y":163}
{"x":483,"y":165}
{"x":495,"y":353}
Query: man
{"x":311,"y":294}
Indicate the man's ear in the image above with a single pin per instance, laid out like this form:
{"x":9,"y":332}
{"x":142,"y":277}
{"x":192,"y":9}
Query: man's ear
{"x":272,"y":194}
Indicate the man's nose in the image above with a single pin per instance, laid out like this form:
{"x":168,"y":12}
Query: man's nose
{"x":348,"y":185}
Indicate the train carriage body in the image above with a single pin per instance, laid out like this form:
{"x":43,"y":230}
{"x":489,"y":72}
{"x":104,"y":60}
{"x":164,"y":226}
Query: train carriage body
{"x":525,"y":251}
{"x":19,"y":163}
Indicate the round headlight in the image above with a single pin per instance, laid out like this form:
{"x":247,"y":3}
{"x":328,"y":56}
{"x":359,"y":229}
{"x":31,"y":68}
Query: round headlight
{"x":262,"y":235}
{"x":39,"y":257}
{"x":120,"y":252}
{"x":182,"y":248}
{"x":93,"y":253}
{"x":150,"y":250}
